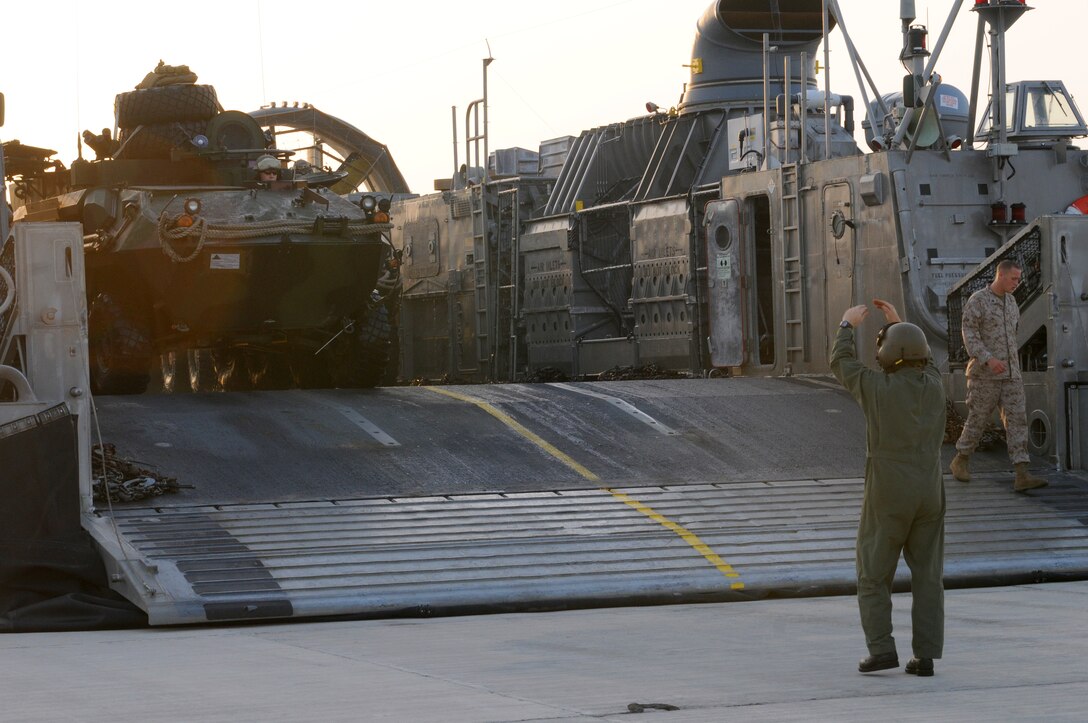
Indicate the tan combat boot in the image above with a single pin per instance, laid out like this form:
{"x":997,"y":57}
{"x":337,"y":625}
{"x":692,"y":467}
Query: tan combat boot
{"x":1024,"y":479}
{"x":959,"y":467}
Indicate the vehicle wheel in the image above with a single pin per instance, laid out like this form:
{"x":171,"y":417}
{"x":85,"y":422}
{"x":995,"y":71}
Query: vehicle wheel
{"x":157,"y":140}
{"x":230,"y":370}
{"x":120,"y":349}
{"x":370,"y":353}
{"x":202,"y":376}
{"x":309,"y":371}
{"x":182,"y":102}
{"x":267,"y":370}
{"x":175,"y":371}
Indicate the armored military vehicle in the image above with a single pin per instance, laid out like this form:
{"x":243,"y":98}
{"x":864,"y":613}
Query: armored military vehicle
{"x":193,"y":262}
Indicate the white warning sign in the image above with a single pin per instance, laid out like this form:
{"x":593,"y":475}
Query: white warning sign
{"x":725,"y":267}
{"x":226,"y":261}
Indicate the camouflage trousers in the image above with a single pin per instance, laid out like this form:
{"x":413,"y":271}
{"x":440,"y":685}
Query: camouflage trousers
{"x":983,"y":397}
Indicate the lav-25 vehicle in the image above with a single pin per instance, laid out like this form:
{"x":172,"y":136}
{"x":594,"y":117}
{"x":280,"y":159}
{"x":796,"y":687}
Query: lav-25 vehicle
{"x":230,"y":282}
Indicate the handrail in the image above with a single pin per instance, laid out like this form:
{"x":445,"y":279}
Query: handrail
{"x":23,"y":392}
{"x":9,"y":284}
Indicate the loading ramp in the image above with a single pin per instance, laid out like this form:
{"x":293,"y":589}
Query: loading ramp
{"x":479,"y":498}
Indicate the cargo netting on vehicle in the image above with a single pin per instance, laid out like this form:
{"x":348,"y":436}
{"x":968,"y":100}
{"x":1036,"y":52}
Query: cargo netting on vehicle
{"x":1027,"y":252}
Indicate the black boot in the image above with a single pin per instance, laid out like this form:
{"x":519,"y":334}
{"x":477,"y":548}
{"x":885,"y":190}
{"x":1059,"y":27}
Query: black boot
{"x":883,"y":661}
{"x":922,"y":667}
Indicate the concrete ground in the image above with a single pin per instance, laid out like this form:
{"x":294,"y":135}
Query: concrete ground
{"x":1012,"y":653}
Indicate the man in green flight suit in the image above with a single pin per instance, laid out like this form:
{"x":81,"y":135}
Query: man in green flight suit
{"x":903,"y":507}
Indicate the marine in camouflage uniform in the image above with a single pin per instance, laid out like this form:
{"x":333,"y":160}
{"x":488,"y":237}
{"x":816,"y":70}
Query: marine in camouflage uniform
{"x":903,"y":506}
{"x":989,"y":323}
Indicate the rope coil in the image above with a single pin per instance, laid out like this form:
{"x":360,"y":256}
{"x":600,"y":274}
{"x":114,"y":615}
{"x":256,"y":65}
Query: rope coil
{"x":201,"y":231}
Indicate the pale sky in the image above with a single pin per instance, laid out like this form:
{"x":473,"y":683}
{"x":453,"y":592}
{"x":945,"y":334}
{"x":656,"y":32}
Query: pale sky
{"x":394,"y":69}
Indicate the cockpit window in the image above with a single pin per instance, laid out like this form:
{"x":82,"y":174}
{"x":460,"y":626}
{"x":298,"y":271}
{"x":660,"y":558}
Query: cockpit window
{"x":1047,"y":106}
{"x":1010,"y":108}
{"x":1036,"y":111}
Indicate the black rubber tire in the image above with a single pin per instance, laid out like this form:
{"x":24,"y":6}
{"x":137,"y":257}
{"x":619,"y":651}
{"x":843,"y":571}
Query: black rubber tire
{"x":309,"y":371}
{"x":175,"y":371}
{"x":181,"y":102}
{"x":231,"y":370}
{"x":202,"y":376}
{"x":120,"y":349}
{"x":267,"y":370}
{"x":157,"y":140}
{"x":370,"y":355}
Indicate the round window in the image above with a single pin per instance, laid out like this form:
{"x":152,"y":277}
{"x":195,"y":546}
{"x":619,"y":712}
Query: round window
{"x":723,"y":238}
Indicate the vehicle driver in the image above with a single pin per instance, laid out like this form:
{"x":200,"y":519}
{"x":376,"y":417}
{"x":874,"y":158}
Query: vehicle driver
{"x":268,"y":169}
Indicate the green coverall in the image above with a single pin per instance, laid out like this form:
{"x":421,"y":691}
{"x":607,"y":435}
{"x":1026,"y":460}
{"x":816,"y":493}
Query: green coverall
{"x":903,"y":507}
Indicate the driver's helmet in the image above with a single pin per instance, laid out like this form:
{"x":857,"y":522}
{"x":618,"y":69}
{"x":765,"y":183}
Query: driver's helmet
{"x":898,"y":343}
{"x":268,"y":163}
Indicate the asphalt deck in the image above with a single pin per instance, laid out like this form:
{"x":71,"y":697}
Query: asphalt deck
{"x":1012,"y":653}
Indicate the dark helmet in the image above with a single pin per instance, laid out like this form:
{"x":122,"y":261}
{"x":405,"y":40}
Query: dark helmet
{"x":898,"y":343}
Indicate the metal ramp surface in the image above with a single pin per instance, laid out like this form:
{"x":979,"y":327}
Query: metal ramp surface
{"x":497,"y":497}
{"x":571,"y":548}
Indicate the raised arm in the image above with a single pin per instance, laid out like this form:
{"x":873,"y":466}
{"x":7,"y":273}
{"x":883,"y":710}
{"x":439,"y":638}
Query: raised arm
{"x":845,"y":366}
{"x":891,"y":316}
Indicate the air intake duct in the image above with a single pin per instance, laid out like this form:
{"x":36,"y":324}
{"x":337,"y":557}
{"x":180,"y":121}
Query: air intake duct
{"x":727,"y":56}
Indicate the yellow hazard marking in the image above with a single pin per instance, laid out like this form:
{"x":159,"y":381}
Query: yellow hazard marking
{"x":520,"y":429}
{"x":685,"y":534}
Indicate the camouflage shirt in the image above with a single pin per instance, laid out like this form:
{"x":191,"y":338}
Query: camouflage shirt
{"x":989,"y":332}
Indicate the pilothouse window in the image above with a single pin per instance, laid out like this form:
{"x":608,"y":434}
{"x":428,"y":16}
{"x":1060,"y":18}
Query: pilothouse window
{"x":1036,"y":111}
{"x":1046,"y":108}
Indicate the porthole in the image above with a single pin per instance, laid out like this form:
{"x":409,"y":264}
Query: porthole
{"x":722,"y":238}
{"x":1038,"y":433}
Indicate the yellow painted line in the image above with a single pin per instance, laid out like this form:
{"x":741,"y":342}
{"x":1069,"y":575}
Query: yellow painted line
{"x":520,"y":429}
{"x":685,"y":534}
